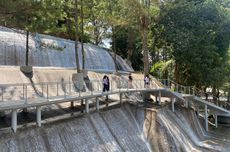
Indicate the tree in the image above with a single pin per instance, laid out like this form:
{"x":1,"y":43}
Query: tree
{"x":199,"y":36}
{"x":76,"y":36}
{"x":82,"y":35}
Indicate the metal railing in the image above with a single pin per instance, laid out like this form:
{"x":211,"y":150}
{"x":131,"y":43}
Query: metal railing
{"x":29,"y":92}
{"x":192,"y":90}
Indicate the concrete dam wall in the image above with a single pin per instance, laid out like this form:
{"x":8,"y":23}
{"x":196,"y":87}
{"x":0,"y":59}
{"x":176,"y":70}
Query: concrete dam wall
{"x":120,"y":129}
{"x":131,"y":127}
{"x":48,"y":51}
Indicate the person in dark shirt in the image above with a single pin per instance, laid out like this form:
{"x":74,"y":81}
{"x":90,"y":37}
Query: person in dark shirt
{"x":105,"y":83}
{"x":130,"y":81}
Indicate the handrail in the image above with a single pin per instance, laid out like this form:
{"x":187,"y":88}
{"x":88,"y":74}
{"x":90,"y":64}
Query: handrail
{"x":46,"y":90}
{"x":192,"y":90}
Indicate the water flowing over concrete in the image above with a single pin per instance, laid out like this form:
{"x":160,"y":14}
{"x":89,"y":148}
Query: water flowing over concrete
{"x":48,"y":51}
{"x":121,"y":129}
{"x":131,"y":127}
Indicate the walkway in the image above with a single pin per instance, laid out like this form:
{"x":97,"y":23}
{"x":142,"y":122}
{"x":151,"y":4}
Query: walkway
{"x":21,"y":96}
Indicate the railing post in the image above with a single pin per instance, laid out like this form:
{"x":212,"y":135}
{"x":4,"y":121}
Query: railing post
{"x":119,"y":84}
{"x":206,"y":117}
{"x":23,"y":92}
{"x":111,"y":85}
{"x":65,"y":91}
{"x":2,"y":94}
{"x":177,"y":87}
{"x":47,"y":92}
{"x":159,"y":98}
{"x":189,"y":90}
{"x":70,"y":88}
{"x":140,"y":84}
{"x":42,"y":91}
{"x":57,"y":88}
{"x":120,"y":99}
{"x":91,"y":85}
{"x":26,"y":94}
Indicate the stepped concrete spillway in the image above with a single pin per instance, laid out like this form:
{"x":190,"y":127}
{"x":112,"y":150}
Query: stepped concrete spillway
{"x":125,"y":127}
{"x":48,"y":51}
{"x":121,"y":129}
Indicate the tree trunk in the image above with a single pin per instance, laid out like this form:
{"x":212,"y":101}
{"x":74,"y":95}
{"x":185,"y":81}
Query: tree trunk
{"x":96,"y":33}
{"x":144,"y":43}
{"x":27,"y":48}
{"x":177,"y":76}
{"x":114,"y":47}
{"x":76,"y":36}
{"x":130,"y":46}
{"x":214,"y":93}
{"x":228,"y":94}
{"x":82,"y":34}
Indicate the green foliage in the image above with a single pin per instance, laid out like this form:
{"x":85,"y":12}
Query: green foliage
{"x":156,"y":69}
{"x":188,"y":40}
{"x":199,"y":36}
{"x":162,"y":69}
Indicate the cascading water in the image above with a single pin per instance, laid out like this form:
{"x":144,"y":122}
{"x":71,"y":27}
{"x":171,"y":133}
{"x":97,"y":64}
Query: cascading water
{"x":48,"y":51}
{"x":123,"y":129}
{"x":128,"y":128}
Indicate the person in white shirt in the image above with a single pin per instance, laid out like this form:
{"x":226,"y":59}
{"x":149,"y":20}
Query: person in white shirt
{"x":147,"y":81}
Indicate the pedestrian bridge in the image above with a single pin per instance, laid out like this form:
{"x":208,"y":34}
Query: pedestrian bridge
{"x":22,"y":96}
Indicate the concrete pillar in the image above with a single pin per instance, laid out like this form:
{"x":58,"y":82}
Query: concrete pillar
{"x":186,"y":103}
{"x":206,"y":117}
{"x":159,"y":98}
{"x":14,"y":120}
{"x":198,"y":110}
{"x":97,"y":104}
{"x":82,"y":102}
{"x":173,"y":100}
{"x":86,"y":106}
{"x":216,"y":120}
{"x":39,"y":118}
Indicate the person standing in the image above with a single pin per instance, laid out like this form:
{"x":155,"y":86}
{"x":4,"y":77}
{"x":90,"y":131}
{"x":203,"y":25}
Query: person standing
{"x":130,"y":81}
{"x":105,"y":83}
{"x":108,"y":83}
{"x":147,"y":81}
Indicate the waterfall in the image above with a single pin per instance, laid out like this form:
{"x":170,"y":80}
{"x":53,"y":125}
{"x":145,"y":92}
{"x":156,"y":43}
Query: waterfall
{"x":49,"y":51}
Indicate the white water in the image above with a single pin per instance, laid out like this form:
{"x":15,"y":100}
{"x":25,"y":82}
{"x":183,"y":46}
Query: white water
{"x":122,"y":129}
{"x":46,"y":51}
